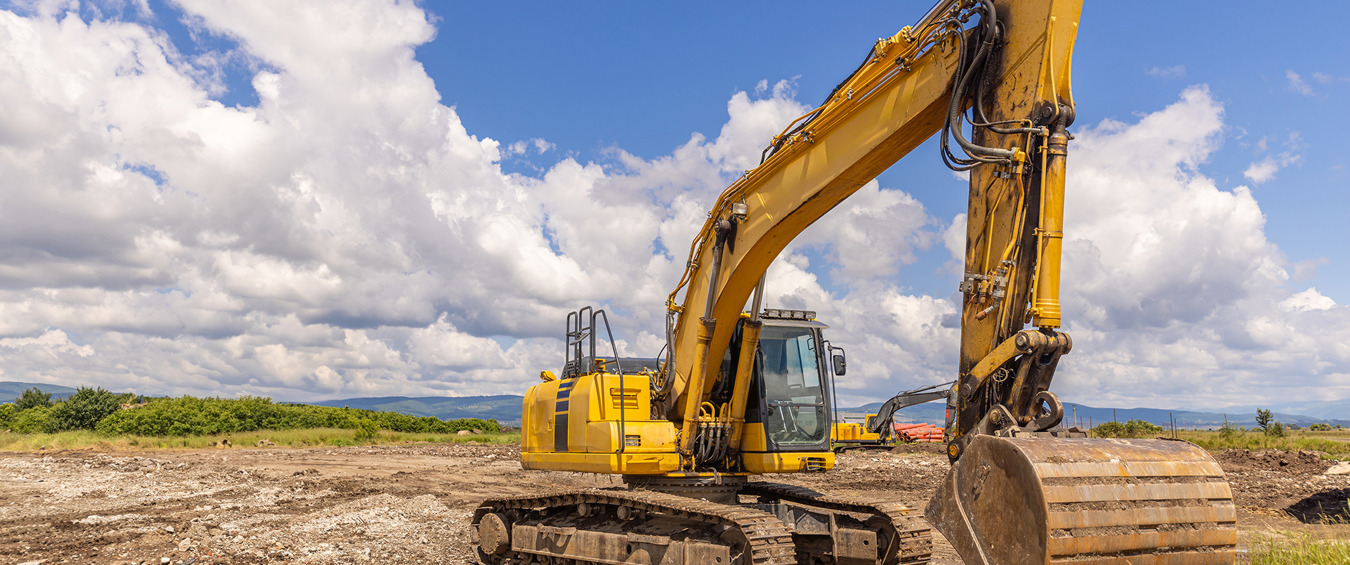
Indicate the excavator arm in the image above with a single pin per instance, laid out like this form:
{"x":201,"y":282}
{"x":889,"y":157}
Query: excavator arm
{"x":885,"y":418}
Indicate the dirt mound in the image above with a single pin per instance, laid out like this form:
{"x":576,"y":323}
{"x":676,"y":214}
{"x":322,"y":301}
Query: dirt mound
{"x":1326,"y":507}
{"x":920,"y":448}
{"x":1294,"y":462}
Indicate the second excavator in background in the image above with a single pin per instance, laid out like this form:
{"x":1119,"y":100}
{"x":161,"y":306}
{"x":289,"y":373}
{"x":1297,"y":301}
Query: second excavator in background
{"x":744,"y":392}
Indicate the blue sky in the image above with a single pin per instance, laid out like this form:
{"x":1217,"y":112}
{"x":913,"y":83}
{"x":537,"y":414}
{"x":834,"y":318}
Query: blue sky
{"x":380,"y":198}
{"x":642,"y":76}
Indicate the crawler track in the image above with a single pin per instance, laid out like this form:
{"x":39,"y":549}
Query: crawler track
{"x":555,"y":526}
{"x":907,"y":537}
{"x":765,"y":539}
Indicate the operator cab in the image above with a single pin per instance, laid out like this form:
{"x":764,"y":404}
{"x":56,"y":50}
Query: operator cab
{"x":790,"y":389}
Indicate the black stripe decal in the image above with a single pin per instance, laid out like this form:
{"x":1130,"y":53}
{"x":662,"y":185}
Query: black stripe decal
{"x":560,"y":415}
{"x":560,"y":432}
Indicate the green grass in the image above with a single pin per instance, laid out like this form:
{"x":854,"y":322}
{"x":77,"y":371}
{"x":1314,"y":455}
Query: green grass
{"x":1292,"y":548}
{"x":281,"y":438}
{"x":1334,"y":444}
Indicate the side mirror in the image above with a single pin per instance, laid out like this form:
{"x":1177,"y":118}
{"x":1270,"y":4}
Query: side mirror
{"x":840,"y":366}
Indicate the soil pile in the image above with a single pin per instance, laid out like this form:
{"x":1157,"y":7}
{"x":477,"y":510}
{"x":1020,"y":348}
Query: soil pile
{"x":1294,"y":462}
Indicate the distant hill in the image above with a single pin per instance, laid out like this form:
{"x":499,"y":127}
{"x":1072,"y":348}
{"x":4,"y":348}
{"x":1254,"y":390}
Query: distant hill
{"x":9,"y":390}
{"x":503,"y":408}
{"x":935,"y":413}
{"x":1319,"y":409}
{"x":1192,"y":419}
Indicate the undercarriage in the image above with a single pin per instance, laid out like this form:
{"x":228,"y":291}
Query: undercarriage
{"x":744,"y":522}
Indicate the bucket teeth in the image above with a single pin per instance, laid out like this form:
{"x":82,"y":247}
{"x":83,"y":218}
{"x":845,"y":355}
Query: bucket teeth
{"x":1079,"y":500}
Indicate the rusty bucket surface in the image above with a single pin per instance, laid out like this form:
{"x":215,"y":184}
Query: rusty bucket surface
{"x":1079,"y":500}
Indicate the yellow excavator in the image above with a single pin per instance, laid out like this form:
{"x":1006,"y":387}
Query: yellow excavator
{"x":846,"y":435}
{"x":740,"y":393}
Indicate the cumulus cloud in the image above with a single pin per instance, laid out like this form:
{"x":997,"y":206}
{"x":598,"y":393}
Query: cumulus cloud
{"x":1306,"y":301}
{"x":1173,"y":291}
{"x":346,"y":235}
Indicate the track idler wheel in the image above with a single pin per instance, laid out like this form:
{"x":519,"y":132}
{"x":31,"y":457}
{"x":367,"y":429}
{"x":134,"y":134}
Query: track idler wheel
{"x":494,"y":535}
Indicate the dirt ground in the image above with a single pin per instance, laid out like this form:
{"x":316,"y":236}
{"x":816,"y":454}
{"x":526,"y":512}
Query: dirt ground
{"x":401,"y":504}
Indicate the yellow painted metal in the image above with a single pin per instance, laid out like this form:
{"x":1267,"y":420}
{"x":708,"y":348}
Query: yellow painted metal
{"x":1005,"y":352}
{"x":1033,"y":82}
{"x":854,"y":432}
{"x":786,"y":462}
{"x":846,"y":431}
{"x":537,"y":418}
{"x":753,"y":438}
{"x":701,"y":369}
{"x":1050,"y":235}
{"x":594,"y":409}
{"x":610,"y":463}
{"x":749,"y":343}
{"x":593,"y":432}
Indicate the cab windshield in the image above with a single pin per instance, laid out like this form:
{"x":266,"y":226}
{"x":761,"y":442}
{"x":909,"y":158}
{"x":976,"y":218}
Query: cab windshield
{"x":793,"y":391}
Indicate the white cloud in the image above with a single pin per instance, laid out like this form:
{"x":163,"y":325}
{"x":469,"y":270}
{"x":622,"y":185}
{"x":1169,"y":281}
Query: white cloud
{"x":369,"y":254}
{"x":49,"y":344}
{"x":1297,"y":84}
{"x":1307,"y":300}
{"x":1264,"y":169}
{"x":277,"y":250}
{"x":870,"y":235}
{"x":1174,"y":295}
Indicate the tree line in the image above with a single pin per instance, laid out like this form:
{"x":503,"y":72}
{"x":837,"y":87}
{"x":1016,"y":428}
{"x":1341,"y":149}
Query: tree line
{"x":102,"y":411}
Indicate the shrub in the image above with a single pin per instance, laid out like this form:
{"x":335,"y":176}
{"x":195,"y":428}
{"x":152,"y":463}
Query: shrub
{"x":33,"y":421}
{"x":1320,"y":427}
{"x":7,"y":412}
{"x":1130,"y":429}
{"x":33,"y":398}
{"x":202,"y":416}
{"x":1275,"y":429}
{"x":84,"y":409}
{"x":366,"y":429}
{"x":1229,"y":431}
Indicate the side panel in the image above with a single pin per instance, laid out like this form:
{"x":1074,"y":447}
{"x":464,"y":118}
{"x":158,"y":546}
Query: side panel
{"x":753,"y":440}
{"x":761,"y":463}
{"x":538,"y":421}
{"x":579,"y":424}
{"x":627,"y":463}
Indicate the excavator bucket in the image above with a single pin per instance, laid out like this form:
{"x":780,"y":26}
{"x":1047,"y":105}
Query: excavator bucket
{"x":1080,"y":500}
